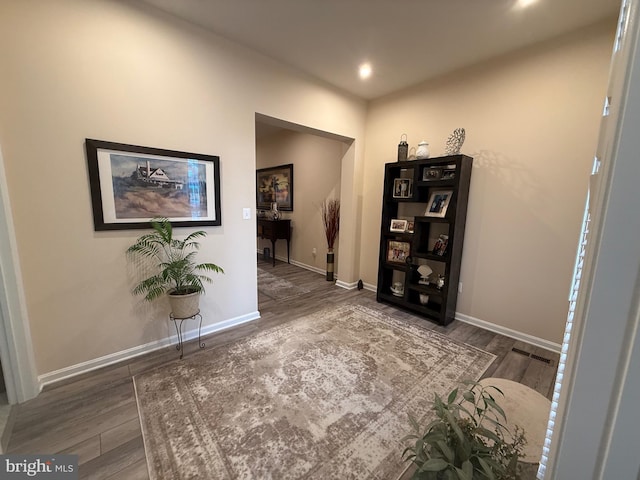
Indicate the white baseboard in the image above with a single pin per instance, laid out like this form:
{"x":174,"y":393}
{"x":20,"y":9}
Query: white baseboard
{"x":370,"y":287}
{"x":507,"y":332}
{"x":305,"y":266}
{"x":345,"y":285}
{"x":300,"y":264}
{"x":130,"y":353}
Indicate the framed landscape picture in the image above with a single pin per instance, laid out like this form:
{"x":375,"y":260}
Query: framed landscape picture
{"x":275,"y":185}
{"x":131,"y":184}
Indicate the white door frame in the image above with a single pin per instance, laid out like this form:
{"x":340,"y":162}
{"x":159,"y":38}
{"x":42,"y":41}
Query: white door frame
{"x":16,"y":349}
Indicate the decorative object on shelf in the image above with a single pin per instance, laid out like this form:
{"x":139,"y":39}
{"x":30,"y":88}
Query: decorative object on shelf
{"x":448,"y":172}
{"x":330,"y":210}
{"x":403,"y":148}
{"x":455,"y":141}
{"x":422,"y":151}
{"x":440,"y":247}
{"x":438,"y":203}
{"x":440,"y":282}
{"x":398,"y":252}
{"x":424,"y":298}
{"x":275,"y":184}
{"x":178,"y":275}
{"x":431,"y":173}
{"x":412,"y":154}
{"x":397,"y":289}
{"x":274,"y":213}
{"x":131,"y":185}
{"x":410,"y":226}
{"x":398,"y":225}
{"x":468,"y":439}
{"x":425,"y":272}
{"x":402,"y":188}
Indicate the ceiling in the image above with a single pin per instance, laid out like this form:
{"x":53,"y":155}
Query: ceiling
{"x":406,"y":41}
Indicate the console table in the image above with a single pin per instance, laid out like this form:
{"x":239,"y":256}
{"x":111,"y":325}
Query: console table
{"x":274,"y":230}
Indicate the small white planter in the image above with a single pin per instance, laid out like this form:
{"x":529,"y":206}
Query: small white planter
{"x":184,"y":306}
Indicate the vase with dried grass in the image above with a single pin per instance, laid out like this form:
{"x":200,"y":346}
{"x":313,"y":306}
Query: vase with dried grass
{"x":331,"y":220}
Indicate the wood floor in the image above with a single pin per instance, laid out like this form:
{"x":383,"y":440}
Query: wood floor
{"x":95,"y":416}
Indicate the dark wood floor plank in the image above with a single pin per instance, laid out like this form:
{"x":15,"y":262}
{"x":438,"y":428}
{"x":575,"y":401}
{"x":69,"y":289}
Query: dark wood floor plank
{"x":114,"y":461}
{"x":122,"y":433}
{"x":540,"y":375}
{"x":72,"y":432}
{"x":86,"y":450}
{"x":135,"y":471}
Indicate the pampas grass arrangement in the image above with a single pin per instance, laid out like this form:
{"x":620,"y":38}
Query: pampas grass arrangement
{"x":331,"y":220}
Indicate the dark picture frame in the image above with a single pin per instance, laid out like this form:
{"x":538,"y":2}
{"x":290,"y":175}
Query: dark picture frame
{"x":275,"y":184}
{"x":402,"y":188}
{"x":131,"y":184}
{"x":431,"y":173}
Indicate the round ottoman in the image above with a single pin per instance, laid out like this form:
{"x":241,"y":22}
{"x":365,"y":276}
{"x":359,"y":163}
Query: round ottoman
{"x":526,"y":408}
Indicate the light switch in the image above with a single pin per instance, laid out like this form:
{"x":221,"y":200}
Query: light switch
{"x":246,"y":213}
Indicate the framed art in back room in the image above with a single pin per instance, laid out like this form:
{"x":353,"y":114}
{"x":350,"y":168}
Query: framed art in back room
{"x":131,"y":184}
{"x":275,"y":185}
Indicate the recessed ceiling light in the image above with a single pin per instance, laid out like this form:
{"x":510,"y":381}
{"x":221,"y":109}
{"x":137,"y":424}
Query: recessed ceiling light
{"x":365,"y":71}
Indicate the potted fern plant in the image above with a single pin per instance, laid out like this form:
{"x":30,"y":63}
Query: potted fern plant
{"x":468,"y":439}
{"x":178,"y":274}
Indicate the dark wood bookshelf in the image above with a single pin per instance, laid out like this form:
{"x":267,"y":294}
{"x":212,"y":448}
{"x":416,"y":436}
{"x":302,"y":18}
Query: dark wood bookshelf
{"x":441,"y":304}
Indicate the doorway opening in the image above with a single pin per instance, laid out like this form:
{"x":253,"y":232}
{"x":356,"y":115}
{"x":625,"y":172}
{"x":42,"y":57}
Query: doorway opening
{"x":317,"y":164}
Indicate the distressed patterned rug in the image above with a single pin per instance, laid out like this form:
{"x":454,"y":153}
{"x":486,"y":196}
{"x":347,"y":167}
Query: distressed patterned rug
{"x":277,"y":288}
{"x":325,"y":396}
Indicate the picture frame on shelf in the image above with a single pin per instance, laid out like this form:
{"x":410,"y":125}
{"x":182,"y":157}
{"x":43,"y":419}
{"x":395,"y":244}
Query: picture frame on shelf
{"x":402,"y":188}
{"x":410,"y":226}
{"x":438,"y":203}
{"x":440,"y":247}
{"x":397,"y":251}
{"x":398,"y":225}
{"x":448,"y":172}
{"x":431,"y":173}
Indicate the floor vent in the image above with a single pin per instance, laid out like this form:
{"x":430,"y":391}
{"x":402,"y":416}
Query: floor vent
{"x":546,"y":360}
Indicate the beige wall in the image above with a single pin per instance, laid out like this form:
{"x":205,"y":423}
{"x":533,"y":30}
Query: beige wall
{"x":116,"y":71}
{"x":532,"y":122}
{"x":317,"y":164}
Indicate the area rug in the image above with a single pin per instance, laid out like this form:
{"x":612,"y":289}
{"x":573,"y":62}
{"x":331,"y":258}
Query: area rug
{"x":277,"y":288}
{"x":325,"y":396}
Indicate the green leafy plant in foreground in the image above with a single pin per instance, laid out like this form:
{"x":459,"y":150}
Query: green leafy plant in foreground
{"x":178,"y":273}
{"x":467,"y":441}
